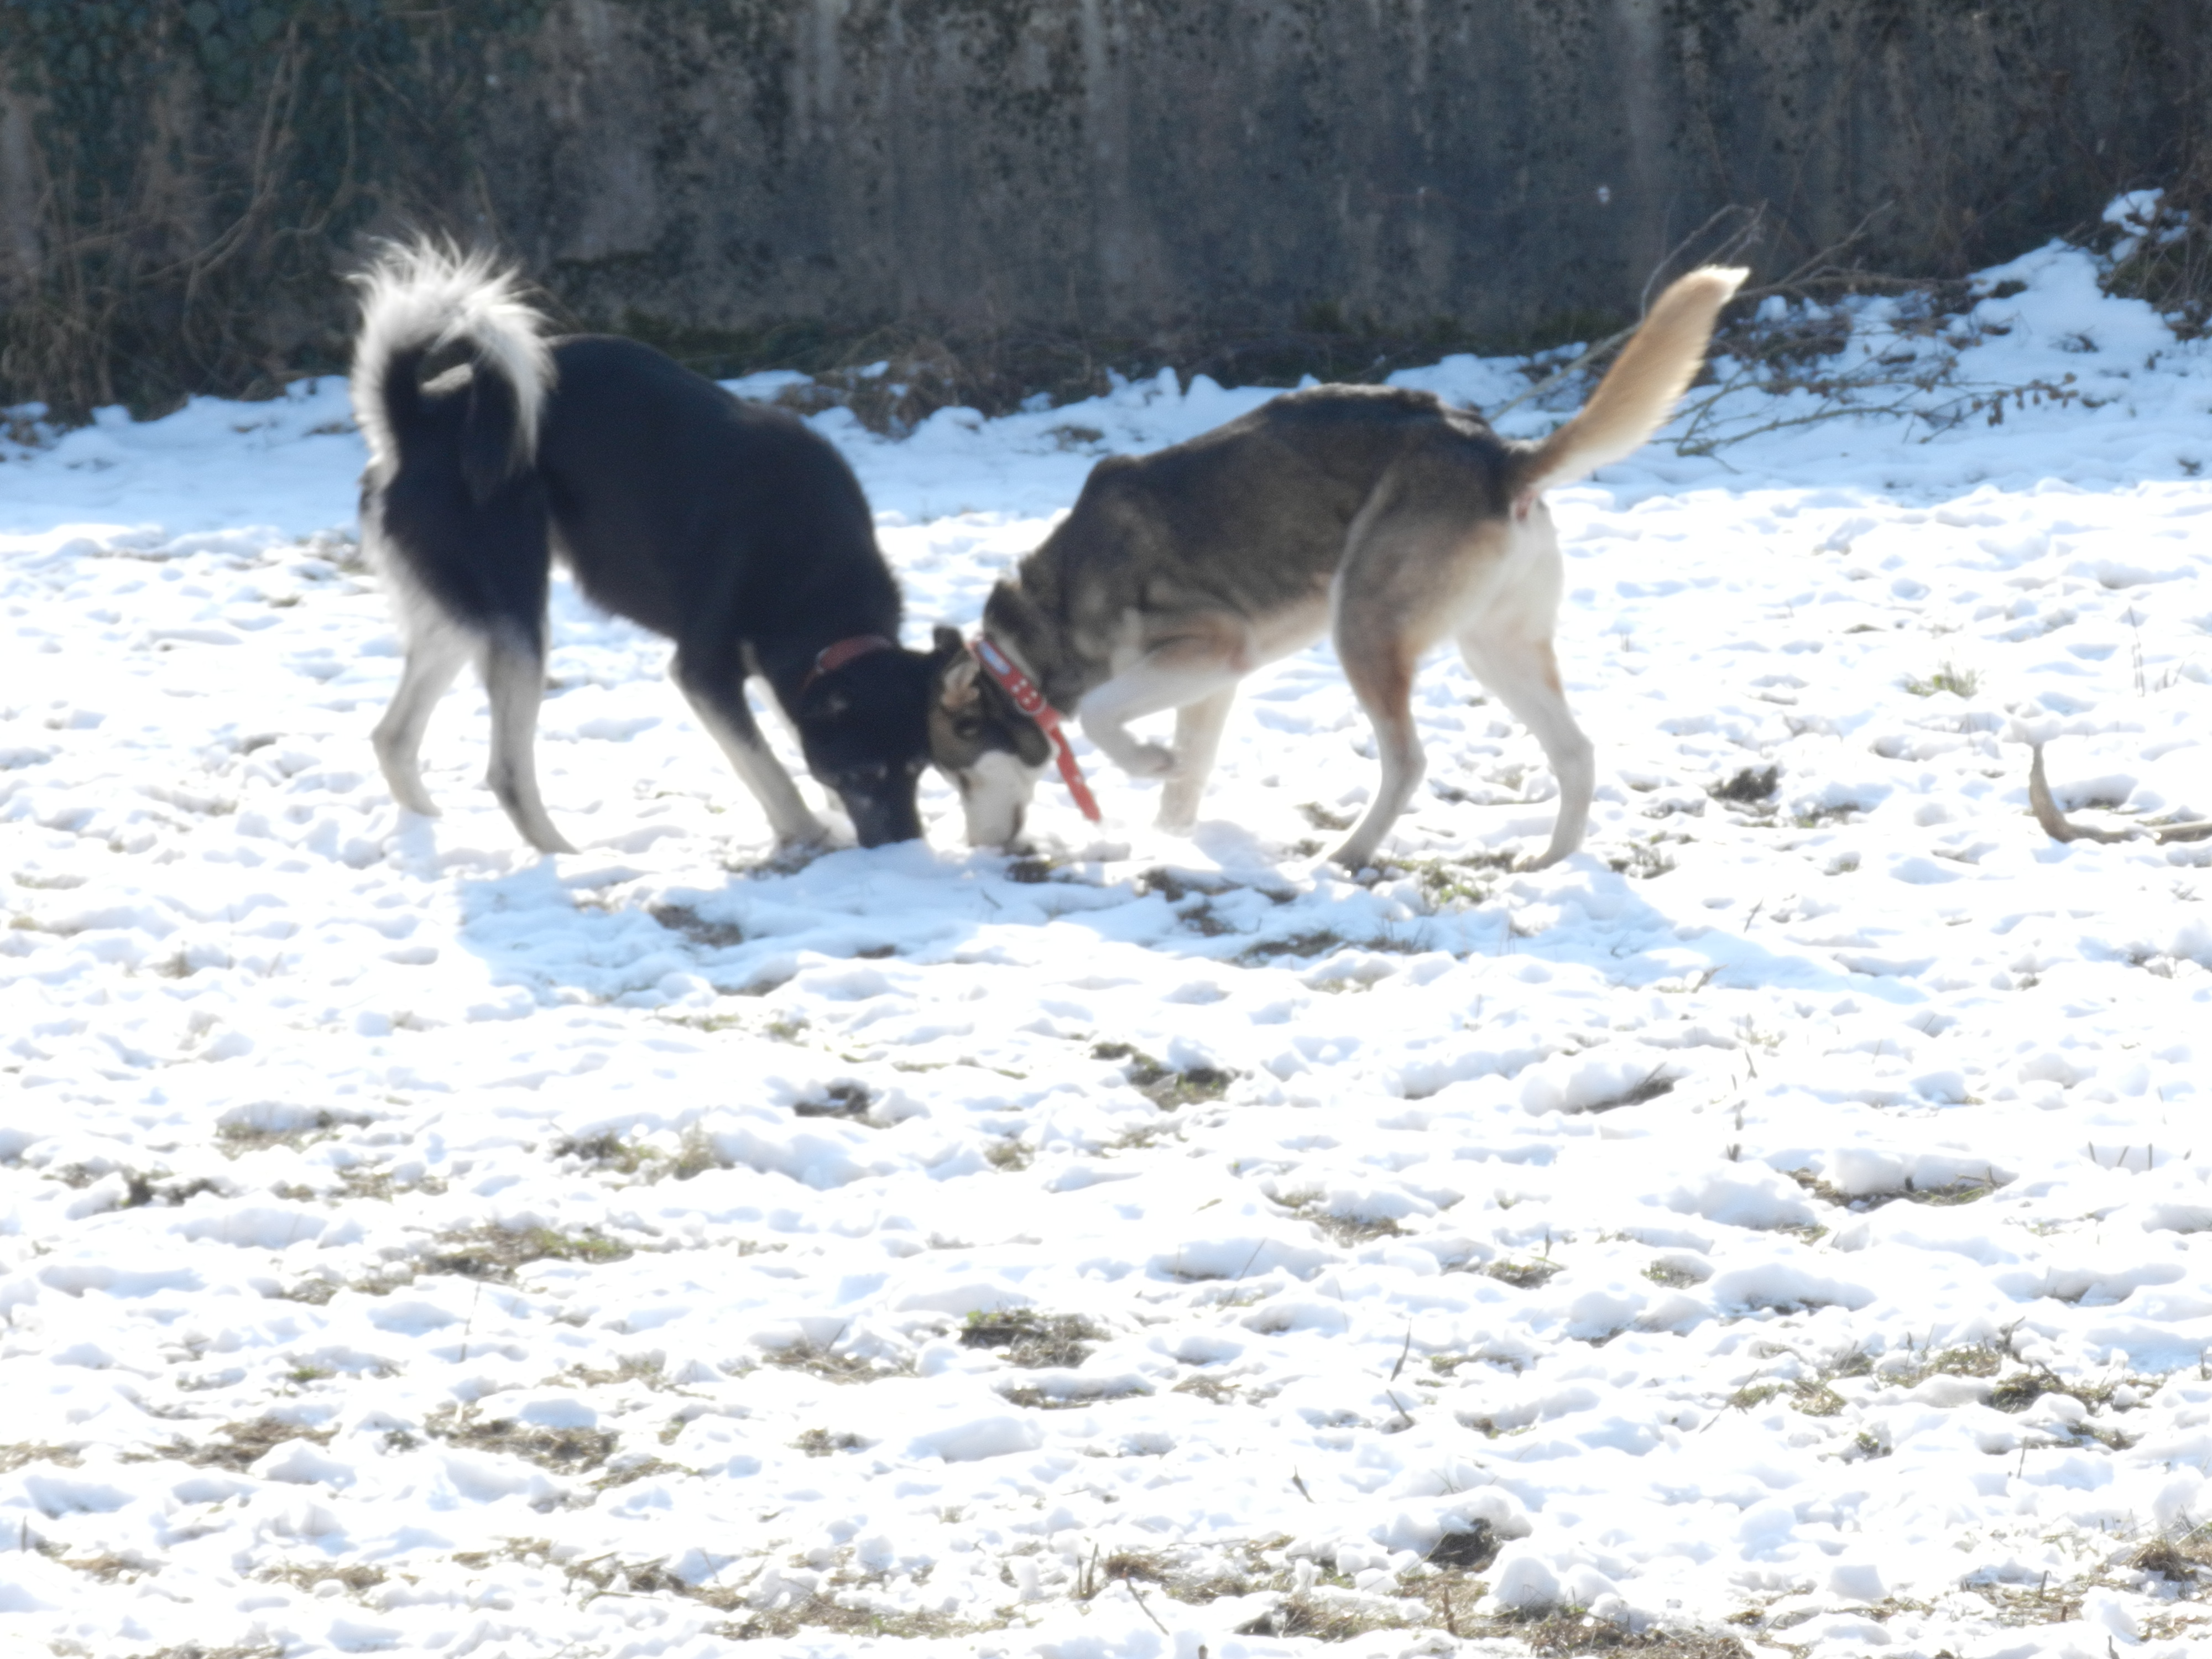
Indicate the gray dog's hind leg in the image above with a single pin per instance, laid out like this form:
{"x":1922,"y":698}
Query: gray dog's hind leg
{"x":435,"y":654}
{"x":515,"y":676}
{"x":1524,"y":675}
{"x":1197,"y":741}
{"x":722,"y":709}
{"x":1384,"y":682}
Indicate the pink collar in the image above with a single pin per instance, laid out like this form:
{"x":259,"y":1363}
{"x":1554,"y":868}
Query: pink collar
{"x":831,"y":658}
{"x":1031,"y":700}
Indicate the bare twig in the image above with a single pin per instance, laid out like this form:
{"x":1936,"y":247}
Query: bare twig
{"x":1141,"y":1607}
{"x":2059,"y":828}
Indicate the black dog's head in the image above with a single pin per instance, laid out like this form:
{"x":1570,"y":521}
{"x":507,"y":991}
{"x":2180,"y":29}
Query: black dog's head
{"x":865,"y":731}
{"x":991,"y":751}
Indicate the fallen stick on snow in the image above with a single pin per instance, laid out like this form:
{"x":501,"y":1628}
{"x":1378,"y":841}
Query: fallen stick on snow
{"x":2056,"y":825}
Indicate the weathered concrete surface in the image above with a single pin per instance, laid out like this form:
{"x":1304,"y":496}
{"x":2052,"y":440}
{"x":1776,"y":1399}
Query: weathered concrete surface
{"x":1140,"y":167}
{"x":1132,"y":166}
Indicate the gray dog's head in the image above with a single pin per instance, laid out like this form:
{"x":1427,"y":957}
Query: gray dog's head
{"x":992,"y":751}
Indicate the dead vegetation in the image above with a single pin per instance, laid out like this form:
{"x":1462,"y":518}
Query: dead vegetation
{"x":358,"y":1578}
{"x":824,"y":1361}
{"x":241,"y":1444}
{"x":27,"y":1452}
{"x":707,"y":934}
{"x":1349,"y":1230}
{"x":1031,"y":1340}
{"x":1749,"y":786}
{"x":1164,"y":1086}
{"x":1965,"y":1190}
{"x":1522,"y":1275}
{"x":2185,"y":1561}
{"x":560,"y":1450}
{"x":848,"y":1101}
{"x":496,"y":1255}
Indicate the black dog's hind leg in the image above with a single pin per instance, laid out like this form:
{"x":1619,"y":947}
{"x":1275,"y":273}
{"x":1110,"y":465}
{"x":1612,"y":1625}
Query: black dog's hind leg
{"x":514,"y":678}
{"x":436,"y":651}
{"x":719,"y":699}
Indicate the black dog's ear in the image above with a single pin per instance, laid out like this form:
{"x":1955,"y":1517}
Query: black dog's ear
{"x":946,"y":639}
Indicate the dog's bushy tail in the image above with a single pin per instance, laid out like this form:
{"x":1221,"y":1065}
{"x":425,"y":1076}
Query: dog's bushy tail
{"x":1638,"y":392}
{"x":423,"y":296}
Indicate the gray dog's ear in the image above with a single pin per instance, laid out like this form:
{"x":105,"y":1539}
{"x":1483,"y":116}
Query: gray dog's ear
{"x":957,"y":691}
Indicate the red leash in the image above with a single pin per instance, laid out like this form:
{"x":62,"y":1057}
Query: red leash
{"x":1031,"y":700}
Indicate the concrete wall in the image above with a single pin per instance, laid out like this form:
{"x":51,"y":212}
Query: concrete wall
{"x":1138,"y":165}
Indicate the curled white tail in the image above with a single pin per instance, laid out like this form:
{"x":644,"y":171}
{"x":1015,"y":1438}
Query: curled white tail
{"x":1638,"y":392}
{"x":420,"y":296}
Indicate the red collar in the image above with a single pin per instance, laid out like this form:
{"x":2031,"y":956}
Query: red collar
{"x":1031,"y":700}
{"x":831,"y":658}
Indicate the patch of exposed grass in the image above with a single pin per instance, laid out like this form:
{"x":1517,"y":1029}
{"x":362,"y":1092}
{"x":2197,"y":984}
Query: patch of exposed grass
{"x":1671,"y":1277}
{"x":359,"y":1578}
{"x":1973,"y":1359}
{"x":849,"y":1101}
{"x":1748,"y":786}
{"x":829,"y":1366}
{"x":1458,"y":881}
{"x":497,"y":1253}
{"x":820,"y":1442}
{"x":1032,"y":1339}
{"x":609,"y":1152}
{"x":648,"y":1369}
{"x":1164,"y":1085}
{"x":1033,"y":1398}
{"x":243,"y":1445}
{"x":111,"y":1568}
{"x":708,"y":935}
{"x":1322,"y":817}
{"x":1522,"y":1275}
{"x":237,"y":1139}
{"x":2187,"y":1559}
{"x":1965,"y":1190}
{"x":1961,"y":682}
{"x":1347,"y":1229}
{"x":824,"y":1613}
{"x":563,"y":1451}
{"x":30,"y":1451}
{"x":1640,"y":860}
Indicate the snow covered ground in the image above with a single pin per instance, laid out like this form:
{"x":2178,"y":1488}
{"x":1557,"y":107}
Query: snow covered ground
{"x":1786,"y":1221}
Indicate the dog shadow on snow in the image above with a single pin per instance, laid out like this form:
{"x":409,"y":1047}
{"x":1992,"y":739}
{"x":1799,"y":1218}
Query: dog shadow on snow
{"x":860,"y":923}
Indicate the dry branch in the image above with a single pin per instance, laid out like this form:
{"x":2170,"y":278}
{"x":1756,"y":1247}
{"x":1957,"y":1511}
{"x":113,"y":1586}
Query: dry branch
{"x":2059,"y":828}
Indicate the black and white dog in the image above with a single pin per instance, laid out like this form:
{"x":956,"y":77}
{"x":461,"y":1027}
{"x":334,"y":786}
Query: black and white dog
{"x":725,"y":525}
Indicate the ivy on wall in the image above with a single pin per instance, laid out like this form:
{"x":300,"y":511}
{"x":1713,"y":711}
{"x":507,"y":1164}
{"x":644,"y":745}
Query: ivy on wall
{"x":202,"y":168}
